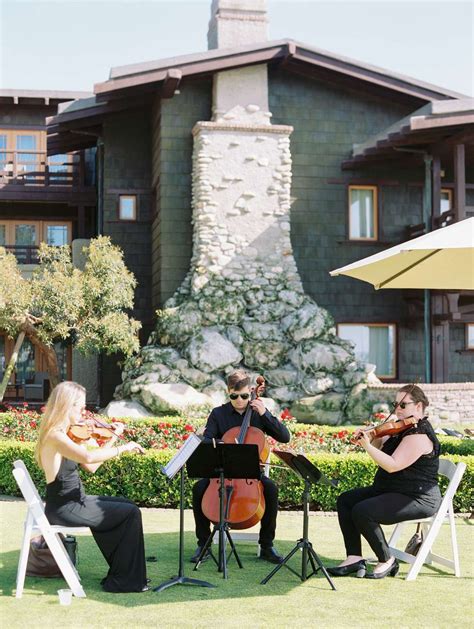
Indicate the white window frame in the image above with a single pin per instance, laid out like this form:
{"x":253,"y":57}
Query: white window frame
{"x":393,"y":374}
{"x":375,"y":213}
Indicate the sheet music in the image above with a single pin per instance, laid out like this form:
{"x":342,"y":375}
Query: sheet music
{"x":183,"y":454}
{"x":303,"y":467}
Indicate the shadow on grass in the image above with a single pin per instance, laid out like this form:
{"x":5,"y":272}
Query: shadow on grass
{"x":241,"y":583}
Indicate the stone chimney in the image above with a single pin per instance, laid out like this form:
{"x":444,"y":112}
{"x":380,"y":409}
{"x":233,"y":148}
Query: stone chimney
{"x":242,"y":303}
{"x":236,"y":23}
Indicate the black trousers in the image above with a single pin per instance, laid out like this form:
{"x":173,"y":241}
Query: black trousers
{"x":361,"y":512}
{"x":116,"y":524}
{"x":267,"y":523}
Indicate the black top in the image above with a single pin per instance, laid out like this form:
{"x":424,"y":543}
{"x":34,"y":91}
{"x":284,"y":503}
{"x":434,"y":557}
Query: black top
{"x":224,"y":417}
{"x":67,"y":486}
{"x":421,"y":477}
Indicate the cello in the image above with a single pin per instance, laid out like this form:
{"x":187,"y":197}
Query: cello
{"x":246,"y":503}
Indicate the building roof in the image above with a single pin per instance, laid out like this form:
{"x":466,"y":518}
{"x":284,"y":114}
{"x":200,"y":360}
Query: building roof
{"x":433,"y":123}
{"x":135,"y":75}
{"x":38,"y":97}
{"x":132,"y":85}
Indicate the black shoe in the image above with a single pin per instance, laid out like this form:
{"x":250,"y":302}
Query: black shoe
{"x":359,"y":567}
{"x":145,"y":588}
{"x":391,"y":571}
{"x":197,"y":552}
{"x":270,"y":554}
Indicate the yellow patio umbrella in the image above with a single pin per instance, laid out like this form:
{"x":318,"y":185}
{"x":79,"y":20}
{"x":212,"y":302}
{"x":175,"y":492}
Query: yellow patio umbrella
{"x":440,"y":260}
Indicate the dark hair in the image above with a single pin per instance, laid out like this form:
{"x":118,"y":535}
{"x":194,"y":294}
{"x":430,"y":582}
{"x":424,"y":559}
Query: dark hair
{"x":417,"y":394}
{"x":237,"y":380}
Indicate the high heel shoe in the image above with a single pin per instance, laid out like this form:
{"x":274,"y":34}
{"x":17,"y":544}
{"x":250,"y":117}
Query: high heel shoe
{"x":390,"y":571}
{"x":359,"y":567}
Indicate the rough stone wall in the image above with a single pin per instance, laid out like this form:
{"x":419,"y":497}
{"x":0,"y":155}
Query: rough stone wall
{"x":450,"y":403}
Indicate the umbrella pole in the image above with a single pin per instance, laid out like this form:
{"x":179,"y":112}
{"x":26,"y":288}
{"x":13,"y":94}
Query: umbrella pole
{"x":427,"y":334}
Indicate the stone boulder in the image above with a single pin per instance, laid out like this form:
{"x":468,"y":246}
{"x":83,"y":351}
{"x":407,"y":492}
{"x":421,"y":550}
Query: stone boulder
{"x":211,"y":351}
{"x":313,"y":356}
{"x":126,"y":408}
{"x":174,"y":398}
{"x":308,"y":322}
{"x":320,"y":409}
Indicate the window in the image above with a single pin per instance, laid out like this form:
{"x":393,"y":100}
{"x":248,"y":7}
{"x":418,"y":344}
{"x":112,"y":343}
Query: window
{"x":3,"y":152}
{"x":446,"y":200}
{"x":63,"y":354}
{"x":469,"y":335}
{"x":23,"y":237}
{"x":56,"y":235}
{"x":25,"y":366}
{"x":374,"y":343}
{"x":22,"y":152}
{"x":62,"y":165}
{"x":3,"y":356}
{"x":128,"y":207}
{"x":363,"y":213}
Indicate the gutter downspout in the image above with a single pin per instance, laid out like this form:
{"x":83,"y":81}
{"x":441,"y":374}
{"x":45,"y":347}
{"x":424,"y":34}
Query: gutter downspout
{"x":427,"y":213}
{"x":100,"y":231}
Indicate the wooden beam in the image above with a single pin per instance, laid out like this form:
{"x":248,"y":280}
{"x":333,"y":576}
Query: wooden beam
{"x":81,"y":222}
{"x":428,"y":122}
{"x":459,"y":182}
{"x":171,"y":83}
{"x":436,"y":190}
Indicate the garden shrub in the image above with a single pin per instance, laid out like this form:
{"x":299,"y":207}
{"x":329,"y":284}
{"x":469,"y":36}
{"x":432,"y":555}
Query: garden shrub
{"x":140,"y":478}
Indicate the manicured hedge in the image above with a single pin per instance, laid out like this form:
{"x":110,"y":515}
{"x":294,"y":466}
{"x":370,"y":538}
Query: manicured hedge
{"x":140,"y":478}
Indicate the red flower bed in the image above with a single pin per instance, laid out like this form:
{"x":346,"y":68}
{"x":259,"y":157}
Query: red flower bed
{"x":21,"y":423}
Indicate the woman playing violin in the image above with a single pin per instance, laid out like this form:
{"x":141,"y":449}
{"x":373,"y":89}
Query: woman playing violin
{"x":405,"y":487}
{"x":115,"y":523}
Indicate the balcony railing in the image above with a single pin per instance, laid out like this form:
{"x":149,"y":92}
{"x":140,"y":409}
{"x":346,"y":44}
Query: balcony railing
{"x":34,"y":168}
{"x":25,"y":254}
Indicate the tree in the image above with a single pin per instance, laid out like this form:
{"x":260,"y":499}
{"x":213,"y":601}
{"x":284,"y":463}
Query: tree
{"x":60,"y":302}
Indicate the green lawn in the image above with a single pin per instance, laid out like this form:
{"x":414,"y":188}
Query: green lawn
{"x":435,"y":599}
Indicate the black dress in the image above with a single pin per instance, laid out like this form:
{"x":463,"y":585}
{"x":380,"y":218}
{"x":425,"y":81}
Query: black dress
{"x":115,"y":523}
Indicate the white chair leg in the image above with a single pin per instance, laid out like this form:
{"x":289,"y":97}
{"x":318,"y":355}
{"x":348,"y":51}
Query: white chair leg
{"x":425,"y":548}
{"x":64,"y":563}
{"x":454,"y":543}
{"x":24,"y":553}
{"x":395,"y":536}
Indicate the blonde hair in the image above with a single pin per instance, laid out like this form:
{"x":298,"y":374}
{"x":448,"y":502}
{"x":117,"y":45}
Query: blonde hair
{"x":62,"y":399}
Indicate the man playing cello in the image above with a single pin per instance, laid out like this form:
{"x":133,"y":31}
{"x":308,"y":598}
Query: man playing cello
{"x":221,"y":419}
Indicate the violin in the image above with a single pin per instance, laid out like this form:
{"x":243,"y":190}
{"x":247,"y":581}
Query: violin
{"x":389,"y":428}
{"x":246,"y":504}
{"x":95,"y":429}
{"x":393,"y":427}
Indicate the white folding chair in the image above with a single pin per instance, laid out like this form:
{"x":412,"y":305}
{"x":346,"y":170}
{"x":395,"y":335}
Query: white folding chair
{"x":431,"y":526}
{"x":37,"y":523}
{"x":252,"y":536}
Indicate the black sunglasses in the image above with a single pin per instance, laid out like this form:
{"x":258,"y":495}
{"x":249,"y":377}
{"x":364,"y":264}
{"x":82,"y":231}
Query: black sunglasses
{"x":234,"y":396}
{"x":403,"y":405}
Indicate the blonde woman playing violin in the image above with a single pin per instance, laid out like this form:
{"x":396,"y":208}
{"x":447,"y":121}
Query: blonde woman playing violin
{"x":115,"y":523}
{"x":405,"y":487}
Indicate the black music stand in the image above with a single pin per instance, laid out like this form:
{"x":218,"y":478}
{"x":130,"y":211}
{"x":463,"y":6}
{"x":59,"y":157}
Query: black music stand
{"x":311,"y":475}
{"x":223,"y":461}
{"x":177,"y":463}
